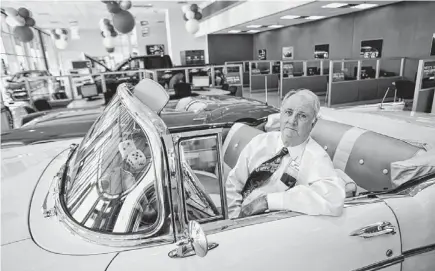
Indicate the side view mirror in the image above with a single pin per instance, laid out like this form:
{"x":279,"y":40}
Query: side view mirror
{"x":196,"y":243}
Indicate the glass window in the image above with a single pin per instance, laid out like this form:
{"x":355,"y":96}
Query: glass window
{"x":111,"y":185}
{"x":202,"y":188}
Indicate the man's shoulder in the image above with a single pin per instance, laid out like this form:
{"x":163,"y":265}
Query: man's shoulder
{"x":267,"y":136}
{"x":263,"y":139}
{"x":316,"y":150}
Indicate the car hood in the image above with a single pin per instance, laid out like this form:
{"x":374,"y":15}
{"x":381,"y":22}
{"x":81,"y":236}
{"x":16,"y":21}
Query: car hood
{"x":21,"y":168}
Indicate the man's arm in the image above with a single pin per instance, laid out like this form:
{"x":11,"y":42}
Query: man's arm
{"x":322,"y":193}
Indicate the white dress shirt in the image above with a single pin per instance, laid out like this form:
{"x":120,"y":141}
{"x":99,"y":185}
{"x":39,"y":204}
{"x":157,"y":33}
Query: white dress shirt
{"x":318,"y":190}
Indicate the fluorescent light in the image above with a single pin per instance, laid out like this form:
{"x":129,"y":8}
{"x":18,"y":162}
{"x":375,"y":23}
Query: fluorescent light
{"x":253,"y":31}
{"x":335,"y":5}
{"x":290,"y":17}
{"x":234,"y":31}
{"x":314,"y":17}
{"x":275,"y":26}
{"x":254,"y":26}
{"x":364,"y":6}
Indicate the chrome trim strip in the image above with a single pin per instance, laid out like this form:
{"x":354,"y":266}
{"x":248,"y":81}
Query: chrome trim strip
{"x":382,"y":264}
{"x":419,"y":250}
{"x":397,"y":259}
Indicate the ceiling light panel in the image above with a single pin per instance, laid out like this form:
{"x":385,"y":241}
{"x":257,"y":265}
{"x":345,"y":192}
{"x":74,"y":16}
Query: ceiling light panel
{"x":254,"y":26}
{"x":253,"y":31}
{"x":234,"y":31}
{"x":335,"y":5}
{"x":314,"y":17}
{"x":275,"y":26}
{"x":290,"y":17}
{"x":364,"y":6}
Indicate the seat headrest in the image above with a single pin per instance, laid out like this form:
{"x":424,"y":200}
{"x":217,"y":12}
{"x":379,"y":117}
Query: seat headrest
{"x":238,"y":137}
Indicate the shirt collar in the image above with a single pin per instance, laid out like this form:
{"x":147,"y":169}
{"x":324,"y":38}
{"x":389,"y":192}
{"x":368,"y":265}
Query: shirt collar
{"x":295,"y":150}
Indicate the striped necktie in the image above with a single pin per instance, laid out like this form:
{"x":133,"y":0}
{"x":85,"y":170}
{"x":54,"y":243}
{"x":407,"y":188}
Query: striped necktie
{"x":262,"y":173}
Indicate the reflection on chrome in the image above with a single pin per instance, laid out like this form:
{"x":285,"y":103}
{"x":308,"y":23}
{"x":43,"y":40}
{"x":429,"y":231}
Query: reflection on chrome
{"x":110,"y":187}
{"x":199,"y":205}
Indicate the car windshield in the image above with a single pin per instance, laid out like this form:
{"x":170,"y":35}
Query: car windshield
{"x":111,"y":183}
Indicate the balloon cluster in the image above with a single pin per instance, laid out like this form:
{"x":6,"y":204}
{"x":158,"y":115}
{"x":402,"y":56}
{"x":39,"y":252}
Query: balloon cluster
{"x":21,"y":20}
{"x":192,"y":15}
{"x":108,"y":33}
{"x":60,"y":37}
{"x":123,"y":21}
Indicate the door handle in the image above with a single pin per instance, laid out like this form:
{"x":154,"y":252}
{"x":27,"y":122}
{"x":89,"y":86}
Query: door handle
{"x":376,"y":229}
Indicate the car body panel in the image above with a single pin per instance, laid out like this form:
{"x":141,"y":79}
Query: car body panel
{"x":26,"y":255}
{"x":416,"y":227}
{"x":21,"y":168}
{"x":295,"y":243}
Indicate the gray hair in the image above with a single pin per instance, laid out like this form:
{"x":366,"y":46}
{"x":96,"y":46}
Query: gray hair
{"x":316,"y":101}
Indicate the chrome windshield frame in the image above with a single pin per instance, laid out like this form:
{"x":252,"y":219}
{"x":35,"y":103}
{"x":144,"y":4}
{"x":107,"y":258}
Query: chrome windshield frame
{"x":155,"y":129}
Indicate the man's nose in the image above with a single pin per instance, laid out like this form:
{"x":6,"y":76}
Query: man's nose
{"x":293,"y":119}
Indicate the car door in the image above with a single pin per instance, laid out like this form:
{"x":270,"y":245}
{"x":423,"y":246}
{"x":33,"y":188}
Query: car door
{"x":270,"y":241}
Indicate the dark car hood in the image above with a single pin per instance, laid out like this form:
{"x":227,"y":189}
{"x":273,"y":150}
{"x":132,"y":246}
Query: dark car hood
{"x":62,"y":124}
{"x":72,"y":123}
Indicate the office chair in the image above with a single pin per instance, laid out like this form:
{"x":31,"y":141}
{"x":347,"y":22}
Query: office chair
{"x":42,"y":105}
{"x":182,"y":90}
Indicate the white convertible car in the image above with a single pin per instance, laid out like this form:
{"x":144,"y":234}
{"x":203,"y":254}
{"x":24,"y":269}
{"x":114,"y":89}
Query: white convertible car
{"x":136,"y":195}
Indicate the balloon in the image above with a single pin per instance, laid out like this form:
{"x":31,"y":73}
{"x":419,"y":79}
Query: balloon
{"x":184,"y":17}
{"x":108,"y":42}
{"x":63,"y":37}
{"x":61,"y":44}
{"x":64,"y":31}
{"x":194,"y":7}
{"x":30,"y":21}
{"x":110,"y":50}
{"x":185,"y":8}
{"x":107,"y":33}
{"x":125,"y":5}
{"x":23,"y":33}
{"x":106,"y":21}
{"x":102,"y":34}
{"x":190,"y":15}
{"x":11,"y":12}
{"x":198,"y":16}
{"x":11,"y":21}
{"x":23,"y":12}
{"x":19,"y":21}
{"x":113,"y":7}
{"x":114,"y":33}
{"x":123,"y":22}
{"x":192,"y":26}
{"x":58,"y":31}
{"x":110,"y":28}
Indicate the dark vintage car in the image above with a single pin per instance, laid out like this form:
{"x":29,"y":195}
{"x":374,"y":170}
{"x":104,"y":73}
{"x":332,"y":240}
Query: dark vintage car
{"x":70,"y":123}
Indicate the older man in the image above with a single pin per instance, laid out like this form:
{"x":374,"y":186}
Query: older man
{"x":286,"y":170}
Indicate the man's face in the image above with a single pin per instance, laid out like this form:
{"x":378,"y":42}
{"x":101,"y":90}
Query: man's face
{"x":297,"y":116}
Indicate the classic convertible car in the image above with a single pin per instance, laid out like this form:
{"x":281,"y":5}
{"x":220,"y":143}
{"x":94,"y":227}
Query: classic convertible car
{"x":70,"y":123}
{"x":131,"y":196}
